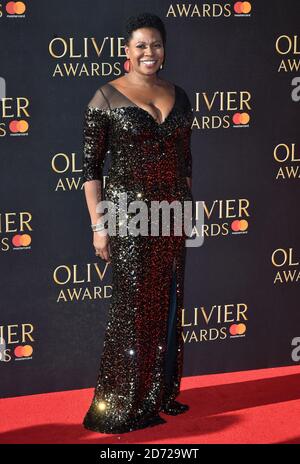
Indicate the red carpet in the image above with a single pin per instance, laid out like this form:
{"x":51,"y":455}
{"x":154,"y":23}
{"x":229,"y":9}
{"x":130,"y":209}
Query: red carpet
{"x":259,"y":406}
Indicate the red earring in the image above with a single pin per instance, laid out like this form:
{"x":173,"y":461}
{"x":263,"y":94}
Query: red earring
{"x":127,"y":65}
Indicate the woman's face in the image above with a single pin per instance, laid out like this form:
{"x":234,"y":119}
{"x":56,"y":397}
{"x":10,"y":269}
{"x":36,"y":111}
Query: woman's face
{"x":145,"y":50}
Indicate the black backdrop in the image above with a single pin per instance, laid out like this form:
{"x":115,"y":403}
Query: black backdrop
{"x":54,"y":292}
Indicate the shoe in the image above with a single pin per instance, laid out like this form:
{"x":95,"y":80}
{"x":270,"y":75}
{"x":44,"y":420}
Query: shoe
{"x":174,"y":407}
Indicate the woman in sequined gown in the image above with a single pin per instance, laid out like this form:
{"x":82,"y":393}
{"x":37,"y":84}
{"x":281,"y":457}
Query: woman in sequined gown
{"x":142,"y":360}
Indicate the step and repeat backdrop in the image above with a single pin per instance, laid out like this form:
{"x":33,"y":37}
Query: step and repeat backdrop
{"x":239,"y":63}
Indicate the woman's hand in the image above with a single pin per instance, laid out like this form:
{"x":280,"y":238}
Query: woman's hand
{"x":102,"y":246}
{"x":189,"y":182}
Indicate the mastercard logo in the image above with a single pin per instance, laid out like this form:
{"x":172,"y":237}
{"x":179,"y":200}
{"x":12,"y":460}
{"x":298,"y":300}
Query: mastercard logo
{"x":242,"y":7}
{"x":21,"y":240}
{"x":240,"y":118}
{"x":237,"y":329}
{"x":239,"y":225}
{"x":18,"y":126}
{"x":23,"y":351}
{"x":15,"y":8}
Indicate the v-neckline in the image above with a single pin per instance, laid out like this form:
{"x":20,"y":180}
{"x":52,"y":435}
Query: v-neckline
{"x":145,"y":111}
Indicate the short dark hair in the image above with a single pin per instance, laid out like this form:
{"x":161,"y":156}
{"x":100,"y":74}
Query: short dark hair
{"x":144,"y":20}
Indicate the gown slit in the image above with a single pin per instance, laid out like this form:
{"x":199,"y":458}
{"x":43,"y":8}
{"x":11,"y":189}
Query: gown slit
{"x":171,"y":338}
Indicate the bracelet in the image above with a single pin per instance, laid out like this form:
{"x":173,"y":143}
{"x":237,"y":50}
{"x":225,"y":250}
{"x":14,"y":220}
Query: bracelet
{"x":98,"y":227}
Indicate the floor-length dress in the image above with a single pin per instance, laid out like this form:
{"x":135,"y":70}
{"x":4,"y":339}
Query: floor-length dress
{"x":142,"y":358}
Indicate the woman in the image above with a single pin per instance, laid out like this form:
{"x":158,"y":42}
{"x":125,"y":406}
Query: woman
{"x":145,"y":123}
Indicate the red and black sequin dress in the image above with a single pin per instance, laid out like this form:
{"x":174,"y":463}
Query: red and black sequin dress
{"x":142,"y":359}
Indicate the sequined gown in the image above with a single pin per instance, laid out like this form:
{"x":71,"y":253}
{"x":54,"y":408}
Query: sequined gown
{"x":142,"y":359}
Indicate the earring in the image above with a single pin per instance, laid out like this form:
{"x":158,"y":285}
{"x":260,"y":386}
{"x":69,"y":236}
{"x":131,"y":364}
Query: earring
{"x":127,"y":65}
{"x":161,"y":66}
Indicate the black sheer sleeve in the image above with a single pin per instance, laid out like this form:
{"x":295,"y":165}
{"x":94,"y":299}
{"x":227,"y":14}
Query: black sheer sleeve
{"x":186,"y":143}
{"x":95,"y":137}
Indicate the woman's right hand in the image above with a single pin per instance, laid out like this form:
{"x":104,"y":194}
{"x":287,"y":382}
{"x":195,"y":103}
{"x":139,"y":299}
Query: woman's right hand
{"x":102,"y":246}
